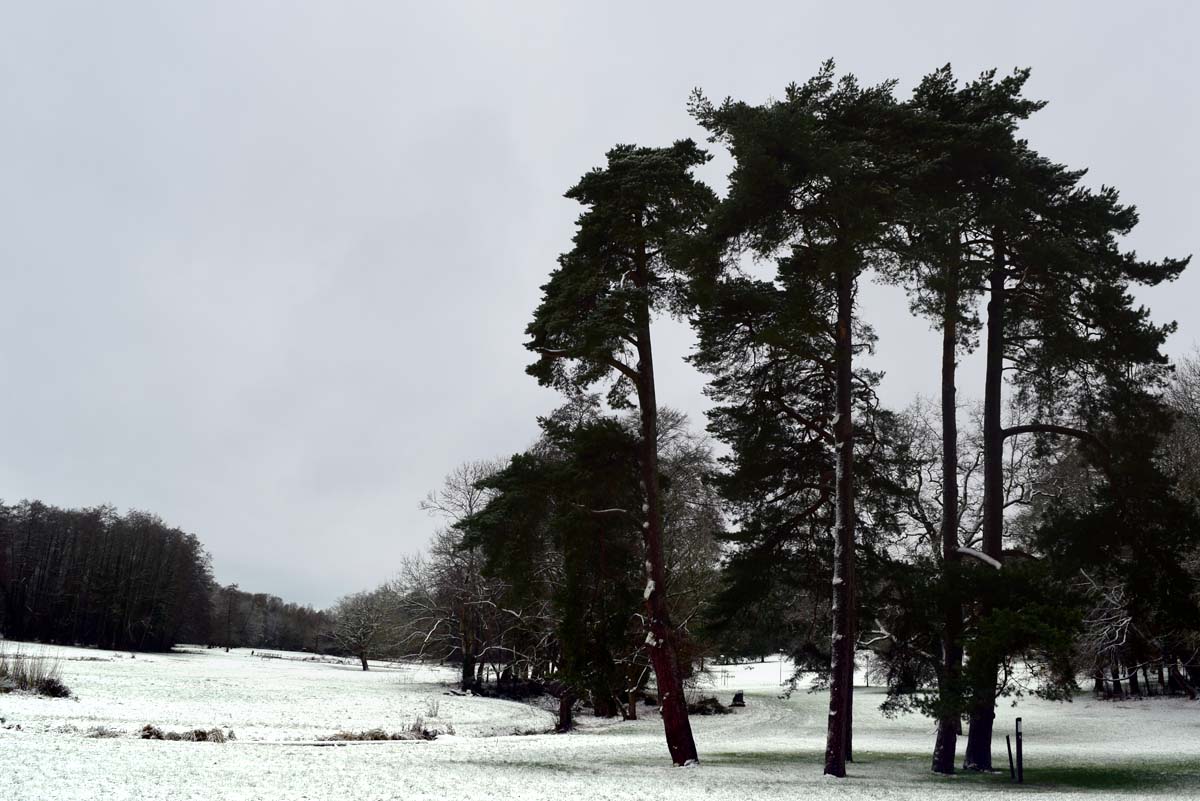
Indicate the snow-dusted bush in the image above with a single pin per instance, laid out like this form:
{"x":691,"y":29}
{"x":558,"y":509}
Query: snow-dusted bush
{"x":213,"y":735}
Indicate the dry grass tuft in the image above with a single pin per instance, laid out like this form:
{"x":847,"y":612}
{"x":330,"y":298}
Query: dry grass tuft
{"x":31,"y":673}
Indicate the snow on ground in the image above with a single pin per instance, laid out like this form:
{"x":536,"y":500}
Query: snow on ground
{"x":279,"y":709}
{"x":260,"y":699}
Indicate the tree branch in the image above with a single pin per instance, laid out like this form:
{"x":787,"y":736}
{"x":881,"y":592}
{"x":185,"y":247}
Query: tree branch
{"x":1049,"y":428}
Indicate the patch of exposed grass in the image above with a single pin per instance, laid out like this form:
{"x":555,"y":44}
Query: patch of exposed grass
{"x":809,"y":756}
{"x":1164,"y":777}
{"x":553,"y":767}
{"x":1119,"y":777}
{"x":761,"y":757}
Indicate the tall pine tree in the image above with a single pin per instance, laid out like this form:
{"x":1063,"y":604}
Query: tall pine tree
{"x":814,"y":182}
{"x":629,"y":261}
{"x":1060,"y":320}
{"x":953,"y":135}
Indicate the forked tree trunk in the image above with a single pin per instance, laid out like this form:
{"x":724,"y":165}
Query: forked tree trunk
{"x":946,"y":743}
{"x":841,"y":686}
{"x":664,"y":654}
{"x":983,"y":712}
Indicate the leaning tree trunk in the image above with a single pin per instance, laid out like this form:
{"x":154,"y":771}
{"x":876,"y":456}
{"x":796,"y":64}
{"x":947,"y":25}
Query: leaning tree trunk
{"x":664,"y":654}
{"x":983,"y":712}
{"x":946,"y":744}
{"x":841,"y":686}
{"x":362,"y":657}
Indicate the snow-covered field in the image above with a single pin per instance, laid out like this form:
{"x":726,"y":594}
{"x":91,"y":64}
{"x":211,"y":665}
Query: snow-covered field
{"x":281,"y":709}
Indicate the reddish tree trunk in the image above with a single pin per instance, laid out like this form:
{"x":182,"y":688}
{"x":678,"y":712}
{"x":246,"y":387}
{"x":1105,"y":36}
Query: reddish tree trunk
{"x":664,"y":654}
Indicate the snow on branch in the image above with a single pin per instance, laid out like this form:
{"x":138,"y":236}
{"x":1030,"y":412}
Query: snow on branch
{"x":980,"y":555}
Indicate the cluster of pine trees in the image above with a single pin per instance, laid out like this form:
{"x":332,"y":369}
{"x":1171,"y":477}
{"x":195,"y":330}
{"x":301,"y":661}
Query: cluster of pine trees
{"x":1055,"y":534}
{"x":129,"y":582}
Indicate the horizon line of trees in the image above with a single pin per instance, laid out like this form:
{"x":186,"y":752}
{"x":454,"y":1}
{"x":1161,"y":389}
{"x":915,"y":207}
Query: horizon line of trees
{"x":94,"y":577}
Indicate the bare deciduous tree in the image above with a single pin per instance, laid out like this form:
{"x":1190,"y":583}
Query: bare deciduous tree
{"x":364,"y":623}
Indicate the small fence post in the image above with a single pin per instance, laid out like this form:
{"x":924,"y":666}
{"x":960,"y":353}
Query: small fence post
{"x":1020,"y":755}
{"x":1012,"y":772}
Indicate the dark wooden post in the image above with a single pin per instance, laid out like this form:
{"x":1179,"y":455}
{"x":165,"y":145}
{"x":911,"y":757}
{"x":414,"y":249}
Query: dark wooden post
{"x":1020,"y":756}
{"x":1012,"y":772}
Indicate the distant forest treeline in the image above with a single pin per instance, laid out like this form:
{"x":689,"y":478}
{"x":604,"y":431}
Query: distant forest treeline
{"x":95,"y":577}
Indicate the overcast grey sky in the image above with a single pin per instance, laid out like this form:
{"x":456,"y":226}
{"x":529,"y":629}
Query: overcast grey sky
{"x":265,"y":267}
